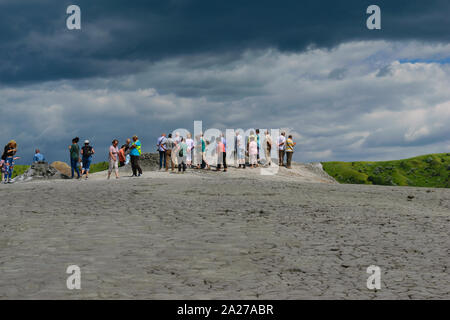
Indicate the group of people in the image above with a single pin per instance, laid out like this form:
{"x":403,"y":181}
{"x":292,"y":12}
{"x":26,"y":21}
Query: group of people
{"x":186,"y":152}
{"x":174,"y":152}
{"x":117,"y":157}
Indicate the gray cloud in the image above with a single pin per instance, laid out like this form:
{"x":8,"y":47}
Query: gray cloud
{"x":119,"y":37}
{"x":359,"y":116}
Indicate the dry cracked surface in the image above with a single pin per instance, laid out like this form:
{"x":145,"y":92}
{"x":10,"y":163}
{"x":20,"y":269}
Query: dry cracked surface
{"x":206,"y":235}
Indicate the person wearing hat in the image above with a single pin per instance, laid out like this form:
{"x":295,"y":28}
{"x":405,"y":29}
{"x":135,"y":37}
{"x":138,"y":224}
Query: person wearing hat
{"x":87,"y":152}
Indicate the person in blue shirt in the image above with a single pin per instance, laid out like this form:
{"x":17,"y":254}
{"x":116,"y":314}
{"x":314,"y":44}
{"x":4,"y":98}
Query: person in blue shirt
{"x":38,"y":156}
{"x":134,"y":155}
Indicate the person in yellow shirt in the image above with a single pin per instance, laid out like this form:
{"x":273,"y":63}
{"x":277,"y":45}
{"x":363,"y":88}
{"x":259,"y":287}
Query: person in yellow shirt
{"x":290,"y":144}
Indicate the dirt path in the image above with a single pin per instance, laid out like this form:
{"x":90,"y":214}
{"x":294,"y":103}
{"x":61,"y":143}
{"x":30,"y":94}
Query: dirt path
{"x":222,"y":235}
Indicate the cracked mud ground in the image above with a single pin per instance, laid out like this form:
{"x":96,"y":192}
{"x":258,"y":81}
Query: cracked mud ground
{"x":219,"y":236}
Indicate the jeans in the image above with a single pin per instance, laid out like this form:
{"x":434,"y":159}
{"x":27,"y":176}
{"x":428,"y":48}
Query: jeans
{"x":86,"y":163}
{"x":74,"y":166}
{"x":162,"y":155}
{"x":9,"y":168}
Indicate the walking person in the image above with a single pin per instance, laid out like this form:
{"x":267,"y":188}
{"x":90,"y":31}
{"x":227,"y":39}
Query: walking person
{"x":253,"y":152}
{"x":268,"y":148}
{"x":135,"y":153}
{"x":161,"y":144}
{"x":182,"y":151}
{"x":87,"y":151}
{"x":281,"y":143}
{"x":8,"y":157}
{"x":290,"y":144}
{"x":114,"y":159}
{"x":74,"y":151}
{"x":170,"y":145}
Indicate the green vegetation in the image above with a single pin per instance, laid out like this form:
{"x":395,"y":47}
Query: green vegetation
{"x":19,"y":169}
{"x":97,"y":167}
{"x":424,"y":171}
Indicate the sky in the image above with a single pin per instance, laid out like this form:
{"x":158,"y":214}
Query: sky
{"x":344,"y":92}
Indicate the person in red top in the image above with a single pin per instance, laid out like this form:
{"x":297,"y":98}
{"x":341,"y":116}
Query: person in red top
{"x":221,"y":155}
{"x":122,"y":155}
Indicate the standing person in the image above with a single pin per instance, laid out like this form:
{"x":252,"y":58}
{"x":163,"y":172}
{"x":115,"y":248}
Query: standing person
{"x":205,"y":163}
{"x":224,"y":155}
{"x":190,"y":150}
{"x":290,"y":144}
{"x":8,"y":157}
{"x":268,"y":148}
{"x":135,"y":153}
{"x":219,"y":153}
{"x":258,"y":144}
{"x":253,"y":152}
{"x":122,"y":155}
{"x":241,"y":150}
{"x":182,"y":151}
{"x":127,"y":151}
{"x":198,"y":152}
{"x":170,"y":145}
{"x":114,"y":159}
{"x":74,"y":150}
{"x":87,"y":151}
{"x":161,"y":144}
{"x":281,"y":148}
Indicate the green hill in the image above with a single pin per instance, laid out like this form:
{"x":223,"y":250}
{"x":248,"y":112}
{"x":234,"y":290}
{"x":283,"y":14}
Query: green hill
{"x":95,"y":167}
{"x":423,"y":171}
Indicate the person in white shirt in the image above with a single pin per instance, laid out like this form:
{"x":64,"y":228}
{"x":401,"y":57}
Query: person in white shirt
{"x":190,"y":150}
{"x":268,"y":148}
{"x":281,"y":148}
{"x":241,"y":150}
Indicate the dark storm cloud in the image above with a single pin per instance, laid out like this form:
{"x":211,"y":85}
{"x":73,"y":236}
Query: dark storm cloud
{"x":120,"y":37}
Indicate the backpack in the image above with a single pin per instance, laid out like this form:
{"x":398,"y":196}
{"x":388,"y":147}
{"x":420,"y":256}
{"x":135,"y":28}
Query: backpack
{"x":87,"y":151}
{"x":180,"y":154}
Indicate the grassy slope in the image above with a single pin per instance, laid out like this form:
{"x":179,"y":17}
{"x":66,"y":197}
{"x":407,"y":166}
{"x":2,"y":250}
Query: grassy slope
{"x":424,"y":171}
{"x":95,"y":167}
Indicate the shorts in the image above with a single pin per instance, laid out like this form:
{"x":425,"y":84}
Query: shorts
{"x":87,"y":163}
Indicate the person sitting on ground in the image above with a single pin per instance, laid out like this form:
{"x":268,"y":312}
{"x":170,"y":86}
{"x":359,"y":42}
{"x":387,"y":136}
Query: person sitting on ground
{"x":38,"y":157}
{"x":290,"y":144}
{"x":87,"y":151}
